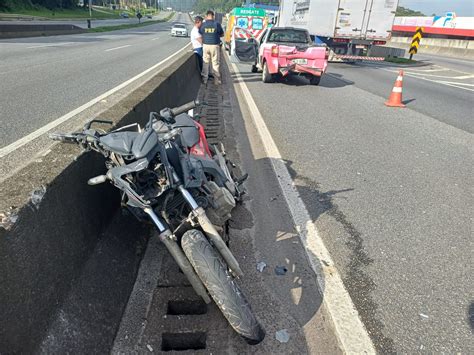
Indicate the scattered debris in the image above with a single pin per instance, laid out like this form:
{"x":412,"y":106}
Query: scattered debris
{"x":282,"y":336}
{"x":281,"y":270}
{"x":273,"y":199}
{"x":37,"y":195}
{"x":9,"y":218}
{"x":424,"y":316}
{"x":149,"y":347}
{"x":261,"y":266}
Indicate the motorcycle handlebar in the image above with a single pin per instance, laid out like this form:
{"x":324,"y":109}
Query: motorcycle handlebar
{"x":184,"y":108}
{"x":64,"y":138}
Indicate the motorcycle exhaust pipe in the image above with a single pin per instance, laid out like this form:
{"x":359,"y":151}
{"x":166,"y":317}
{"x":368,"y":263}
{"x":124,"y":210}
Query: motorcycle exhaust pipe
{"x":178,"y":255}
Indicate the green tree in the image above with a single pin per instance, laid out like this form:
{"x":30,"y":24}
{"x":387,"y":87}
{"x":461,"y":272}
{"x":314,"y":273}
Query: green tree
{"x":404,"y":11}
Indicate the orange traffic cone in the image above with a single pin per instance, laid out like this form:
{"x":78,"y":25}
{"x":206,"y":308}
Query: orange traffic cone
{"x":395,"y":99}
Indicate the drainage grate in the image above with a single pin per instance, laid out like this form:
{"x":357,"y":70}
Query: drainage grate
{"x":183,"y":341}
{"x":186,"y":307}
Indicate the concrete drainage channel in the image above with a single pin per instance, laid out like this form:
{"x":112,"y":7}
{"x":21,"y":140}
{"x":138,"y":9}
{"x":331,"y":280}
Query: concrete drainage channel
{"x":164,"y":313}
{"x":68,"y":254}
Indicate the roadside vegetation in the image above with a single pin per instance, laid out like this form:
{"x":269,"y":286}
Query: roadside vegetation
{"x":127,"y":26}
{"x":404,"y":11}
{"x":63,"y":9}
{"x":398,"y":60}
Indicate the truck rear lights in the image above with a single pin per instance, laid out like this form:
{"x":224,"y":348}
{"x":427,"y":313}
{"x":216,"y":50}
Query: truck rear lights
{"x":275,"y":51}
{"x":379,"y":43}
{"x":341,"y":40}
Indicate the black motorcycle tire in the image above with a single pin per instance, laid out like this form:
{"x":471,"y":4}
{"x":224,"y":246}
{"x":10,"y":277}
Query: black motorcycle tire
{"x":221,"y":286}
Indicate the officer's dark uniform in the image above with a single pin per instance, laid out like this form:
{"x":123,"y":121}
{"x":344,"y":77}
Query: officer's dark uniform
{"x":211,"y":32}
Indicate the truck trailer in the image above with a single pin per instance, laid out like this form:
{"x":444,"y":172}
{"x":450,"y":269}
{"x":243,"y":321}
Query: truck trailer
{"x":348,"y":27}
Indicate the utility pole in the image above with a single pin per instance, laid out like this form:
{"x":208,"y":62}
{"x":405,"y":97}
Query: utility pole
{"x":90,"y":9}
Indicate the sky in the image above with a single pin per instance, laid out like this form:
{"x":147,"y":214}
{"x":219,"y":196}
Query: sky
{"x":440,"y":7}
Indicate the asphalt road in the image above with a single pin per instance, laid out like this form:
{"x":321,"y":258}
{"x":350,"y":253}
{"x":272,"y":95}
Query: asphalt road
{"x":44,"y":78}
{"x":390,"y":191}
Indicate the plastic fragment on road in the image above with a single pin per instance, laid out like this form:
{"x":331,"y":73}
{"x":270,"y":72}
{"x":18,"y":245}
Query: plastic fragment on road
{"x":8,"y":219}
{"x":424,"y":316}
{"x":37,"y":195}
{"x":282,"y":336}
{"x":149,"y":347}
{"x":280,"y":270}
{"x":261,"y":266}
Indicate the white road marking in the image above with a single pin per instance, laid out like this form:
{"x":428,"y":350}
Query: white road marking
{"x":113,"y":49}
{"x":349,"y":329}
{"x":154,"y":39}
{"x":455,"y":82}
{"x":430,"y":70}
{"x":50,"y":45}
{"x":458,"y":85}
{"x":39,"y":132}
{"x":462,"y":77}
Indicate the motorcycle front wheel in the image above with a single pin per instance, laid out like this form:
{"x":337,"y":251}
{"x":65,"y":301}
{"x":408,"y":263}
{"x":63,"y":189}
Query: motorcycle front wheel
{"x":221,"y":286}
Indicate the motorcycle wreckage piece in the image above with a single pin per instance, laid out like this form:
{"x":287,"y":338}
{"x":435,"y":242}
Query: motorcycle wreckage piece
{"x":168,"y":173}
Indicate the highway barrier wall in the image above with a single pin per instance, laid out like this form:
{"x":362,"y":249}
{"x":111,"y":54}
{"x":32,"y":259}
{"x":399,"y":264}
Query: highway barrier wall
{"x":30,"y":30}
{"x":51,"y":220}
{"x":458,"y":48}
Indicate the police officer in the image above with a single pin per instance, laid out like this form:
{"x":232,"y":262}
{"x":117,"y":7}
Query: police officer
{"x":211,"y":37}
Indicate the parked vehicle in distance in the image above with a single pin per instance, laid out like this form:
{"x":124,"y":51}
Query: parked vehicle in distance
{"x":124,"y":15}
{"x":180,"y":30}
{"x":348,"y":27}
{"x":243,"y":24}
{"x":284,"y":51}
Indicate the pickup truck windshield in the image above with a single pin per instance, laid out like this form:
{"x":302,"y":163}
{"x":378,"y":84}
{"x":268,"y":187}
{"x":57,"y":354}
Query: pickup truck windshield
{"x":289,"y":36}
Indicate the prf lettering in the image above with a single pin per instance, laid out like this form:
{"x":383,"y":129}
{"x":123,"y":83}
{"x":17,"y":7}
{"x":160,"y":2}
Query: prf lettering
{"x":209,"y":30}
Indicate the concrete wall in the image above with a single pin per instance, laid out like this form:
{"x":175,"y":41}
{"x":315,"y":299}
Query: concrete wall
{"x":447,"y":47}
{"x":29,"y":30}
{"x":46,"y":247}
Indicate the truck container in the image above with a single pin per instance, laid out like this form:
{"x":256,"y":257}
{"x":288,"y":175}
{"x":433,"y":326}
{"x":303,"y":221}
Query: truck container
{"x":348,"y":27}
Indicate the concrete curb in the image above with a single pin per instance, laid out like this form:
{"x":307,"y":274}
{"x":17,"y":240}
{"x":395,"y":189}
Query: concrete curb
{"x":28,"y":30}
{"x":52,"y":230}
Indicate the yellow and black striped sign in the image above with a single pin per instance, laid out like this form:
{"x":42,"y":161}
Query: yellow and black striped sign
{"x":415,"y":42}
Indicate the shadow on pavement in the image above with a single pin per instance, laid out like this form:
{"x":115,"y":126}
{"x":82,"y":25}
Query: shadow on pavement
{"x":329,"y":80}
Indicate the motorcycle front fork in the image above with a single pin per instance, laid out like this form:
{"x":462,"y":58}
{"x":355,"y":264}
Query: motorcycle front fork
{"x":170,"y":241}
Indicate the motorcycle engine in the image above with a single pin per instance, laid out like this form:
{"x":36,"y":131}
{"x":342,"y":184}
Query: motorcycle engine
{"x":222,"y":203}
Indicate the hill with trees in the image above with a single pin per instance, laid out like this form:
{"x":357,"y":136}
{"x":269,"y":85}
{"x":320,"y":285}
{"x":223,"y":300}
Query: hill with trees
{"x":404,"y":11}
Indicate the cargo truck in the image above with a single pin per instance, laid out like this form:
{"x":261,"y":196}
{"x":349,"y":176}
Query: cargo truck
{"x":348,"y":27}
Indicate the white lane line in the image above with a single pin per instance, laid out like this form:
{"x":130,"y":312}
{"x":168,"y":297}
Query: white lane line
{"x":113,"y":49}
{"x":457,"y":86}
{"x":462,"y":77}
{"x":22,"y":141}
{"x":50,"y":45}
{"x":455,"y":82}
{"x":348,"y":327}
{"x":154,"y":39}
{"x":442,"y":82}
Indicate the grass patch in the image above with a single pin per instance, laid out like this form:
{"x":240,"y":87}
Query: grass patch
{"x":397,"y":60}
{"x":132,"y":25}
{"x":68,"y":14}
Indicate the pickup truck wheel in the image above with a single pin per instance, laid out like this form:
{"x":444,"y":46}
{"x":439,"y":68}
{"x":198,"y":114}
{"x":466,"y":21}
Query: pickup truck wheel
{"x":266,"y":76}
{"x":314,"y":80}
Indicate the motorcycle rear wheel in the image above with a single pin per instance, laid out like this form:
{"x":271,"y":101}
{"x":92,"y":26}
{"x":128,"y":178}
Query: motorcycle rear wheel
{"x":221,"y":286}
